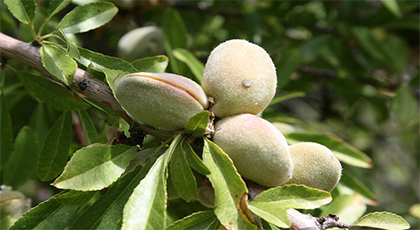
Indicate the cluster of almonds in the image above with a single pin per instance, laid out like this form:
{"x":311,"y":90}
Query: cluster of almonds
{"x":240,"y":78}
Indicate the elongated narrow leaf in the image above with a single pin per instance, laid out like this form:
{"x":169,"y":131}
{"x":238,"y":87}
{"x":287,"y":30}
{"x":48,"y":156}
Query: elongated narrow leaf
{"x":50,"y":93}
{"x":196,"y":67}
{"x":89,"y":130}
{"x":146,"y":207}
{"x":355,"y":184}
{"x":54,"y":154}
{"x":286,"y":67}
{"x":274,"y":215}
{"x":38,"y":122}
{"x":197,"y":125}
{"x":73,"y":197}
{"x":392,"y":5}
{"x":204,"y":220}
{"x":100,"y":61}
{"x":155,"y":64}
{"x":95,"y":167}
{"x":348,"y":207}
{"x":287,"y":96}
{"x":231,"y":193}
{"x":382,"y":220}
{"x":47,"y":215}
{"x":72,"y":48}
{"x":21,"y":165}
{"x":22,"y":10}
{"x":58,"y":63}
{"x":182,"y":177}
{"x":56,"y":6}
{"x":87,"y":17}
{"x":107,"y":212}
{"x":193,"y":160}
{"x":342,"y":150}
{"x":6,"y":134}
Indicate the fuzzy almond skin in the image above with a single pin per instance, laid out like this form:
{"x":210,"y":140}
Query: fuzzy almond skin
{"x":241,"y":77}
{"x":160,"y":99}
{"x":258,"y":150}
{"x":315,"y":166}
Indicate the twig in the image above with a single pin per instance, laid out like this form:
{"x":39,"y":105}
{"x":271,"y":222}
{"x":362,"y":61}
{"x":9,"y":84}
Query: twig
{"x":301,"y":221}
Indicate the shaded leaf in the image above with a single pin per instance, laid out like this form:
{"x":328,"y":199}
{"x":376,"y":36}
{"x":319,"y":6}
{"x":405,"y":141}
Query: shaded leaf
{"x":21,"y":165}
{"x":54,"y":154}
{"x":204,"y":220}
{"x":56,"y":6}
{"x":382,"y":220}
{"x":193,"y":160}
{"x":286,"y":67}
{"x":74,"y":197}
{"x":231,"y":193}
{"x":50,"y":93}
{"x":103,"y":112}
{"x":342,"y":150}
{"x":38,"y":122}
{"x":348,"y":207}
{"x":58,"y":63}
{"x":405,"y":105}
{"x":87,"y":17}
{"x":355,"y":184}
{"x":6,"y":133}
{"x":195,"y":65}
{"x":22,"y":10}
{"x":197,"y":124}
{"x":89,"y":130}
{"x":287,"y":96}
{"x":156,"y":64}
{"x":95,"y":167}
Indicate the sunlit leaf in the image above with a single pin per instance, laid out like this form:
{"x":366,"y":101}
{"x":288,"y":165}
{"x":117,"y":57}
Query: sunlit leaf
{"x":193,"y":160}
{"x":22,"y":10}
{"x":95,"y":167}
{"x":58,"y":63}
{"x":155,"y":64}
{"x":21,"y":165}
{"x":50,"y":93}
{"x":197,"y":125}
{"x":382,"y":220}
{"x":6,"y":133}
{"x":87,"y":17}
{"x":195,"y":65}
{"x":100,"y":61}
{"x":275,"y":215}
{"x":89,"y":130}
{"x":231,"y":193}
{"x":204,"y":220}
{"x":54,"y":154}
{"x":392,"y":5}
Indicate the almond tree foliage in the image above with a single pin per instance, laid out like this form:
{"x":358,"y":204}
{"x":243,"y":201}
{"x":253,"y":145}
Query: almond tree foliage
{"x":347,"y":78}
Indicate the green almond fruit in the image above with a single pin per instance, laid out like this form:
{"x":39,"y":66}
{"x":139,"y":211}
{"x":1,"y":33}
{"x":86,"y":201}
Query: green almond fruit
{"x":258,"y":150}
{"x":160,"y":99}
{"x":241,"y":77}
{"x":315,"y":166}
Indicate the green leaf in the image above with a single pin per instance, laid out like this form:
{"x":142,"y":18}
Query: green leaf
{"x":204,"y":220}
{"x":195,"y":65}
{"x":107,"y":212}
{"x":21,"y":165}
{"x":103,"y":112}
{"x":100,"y":61}
{"x":357,"y":186}
{"x":405,"y":105}
{"x":348,"y":207}
{"x":6,"y":133}
{"x":58,"y":63}
{"x":54,"y":154}
{"x":193,"y":160}
{"x":287,"y":96}
{"x":95,"y":167}
{"x":72,"y":48}
{"x":182,"y":177}
{"x":197,"y":125}
{"x":382,"y":220}
{"x":392,"y":5}
{"x":22,"y":10}
{"x":231,"y":193}
{"x":47,"y":215}
{"x":274,"y":215}
{"x":369,"y":43}
{"x":286,"y":67}
{"x":175,"y":36}
{"x":155,"y":64}
{"x":89,"y":130}
{"x":87,"y":17}
{"x":50,"y":93}
{"x":342,"y":150}
{"x":38,"y":122}
{"x":74,"y":197}
{"x":56,"y":6}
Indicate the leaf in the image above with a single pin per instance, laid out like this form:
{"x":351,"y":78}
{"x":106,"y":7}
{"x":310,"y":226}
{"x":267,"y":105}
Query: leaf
{"x":231,"y":193}
{"x":348,"y":207}
{"x":50,"y":93}
{"x":357,"y":186}
{"x":103,"y":112}
{"x":342,"y":150}
{"x":38,"y":122}
{"x":56,"y":6}
{"x":107,"y":212}
{"x":197,"y":125}
{"x":193,"y":160}
{"x":47,"y":215}
{"x":89,"y":130}
{"x":100,"y":61}
{"x":287,"y":96}
{"x":182,"y":177}
{"x":58,"y":63}
{"x":54,"y":154}
{"x":87,"y":17}
{"x":155,"y":64}
{"x":6,"y":133}
{"x":175,"y":36}
{"x":21,"y":165}
{"x":72,"y":48}
{"x":275,"y":215}
{"x":200,"y":220}
{"x":195,"y":65}
{"x":369,"y":43}
{"x":392,"y":5}
{"x":286,"y":67}
{"x":405,"y":105}
{"x":382,"y":220}
{"x":22,"y":10}
{"x":74,"y":197}
{"x":95,"y":167}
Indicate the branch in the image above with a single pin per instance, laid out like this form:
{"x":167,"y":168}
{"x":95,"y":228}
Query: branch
{"x":306,"y":221}
{"x":83,"y":82}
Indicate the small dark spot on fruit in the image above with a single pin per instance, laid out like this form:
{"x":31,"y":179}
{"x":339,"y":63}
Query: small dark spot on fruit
{"x":246,"y":83}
